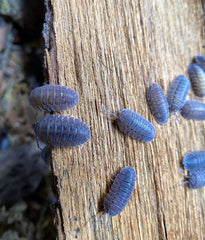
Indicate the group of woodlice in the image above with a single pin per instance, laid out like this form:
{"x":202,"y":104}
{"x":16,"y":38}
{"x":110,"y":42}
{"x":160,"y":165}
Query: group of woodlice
{"x":58,"y":130}
{"x":194,"y":162}
{"x":61,"y":131}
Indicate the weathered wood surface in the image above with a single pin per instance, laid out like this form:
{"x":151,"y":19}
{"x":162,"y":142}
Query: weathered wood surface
{"x":99,"y":48}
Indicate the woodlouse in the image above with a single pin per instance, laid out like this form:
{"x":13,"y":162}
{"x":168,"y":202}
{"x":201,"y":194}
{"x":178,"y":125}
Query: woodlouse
{"x":61,"y":131}
{"x":53,"y":98}
{"x":134,"y":125}
{"x":197,"y":77}
{"x":200,"y":61}
{"x":177,"y":93}
{"x":120,"y":192}
{"x":157,"y":102}
{"x":194,"y":160}
{"x":194,"y":110}
{"x":195,"y":179}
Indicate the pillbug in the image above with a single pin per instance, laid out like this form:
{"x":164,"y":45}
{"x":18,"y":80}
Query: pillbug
{"x":200,"y":61}
{"x":197,"y":77}
{"x":195,"y":179}
{"x":157,"y":102}
{"x":177,"y":93}
{"x":193,"y":109}
{"x":53,"y":98}
{"x":134,"y":125}
{"x":194,"y":160}
{"x":120,"y":192}
{"x":61,"y":131}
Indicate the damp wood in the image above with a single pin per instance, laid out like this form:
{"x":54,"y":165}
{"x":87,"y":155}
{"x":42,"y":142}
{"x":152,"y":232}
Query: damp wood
{"x":99,"y":49}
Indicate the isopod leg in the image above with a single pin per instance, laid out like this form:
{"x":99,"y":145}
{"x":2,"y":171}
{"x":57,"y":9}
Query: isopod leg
{"x":38,"y":145}
{"x":184,"y":183}
{"x":104,"y":110}
{"x":115,"y":101}
{"x":150,"y":76}
{"x":94,"y":224}
{"x":186,"y":176}
{"x":181,"y":171}
{"x":108,"y":222}
{"x":141,"y":73}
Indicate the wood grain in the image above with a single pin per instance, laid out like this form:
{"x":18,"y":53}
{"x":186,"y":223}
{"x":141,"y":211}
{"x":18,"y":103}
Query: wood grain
{"x":99,"y":48}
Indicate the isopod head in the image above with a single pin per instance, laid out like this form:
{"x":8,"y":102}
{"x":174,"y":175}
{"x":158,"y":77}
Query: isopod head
{"x":196,"y":178}
{"x":200,"y":61}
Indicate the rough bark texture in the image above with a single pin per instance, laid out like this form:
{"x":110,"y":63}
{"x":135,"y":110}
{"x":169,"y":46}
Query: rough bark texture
{"x":99,"y":48}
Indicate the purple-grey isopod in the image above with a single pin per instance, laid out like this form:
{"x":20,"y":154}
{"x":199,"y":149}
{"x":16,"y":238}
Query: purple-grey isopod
{"x":53,"y":98}
{"x":157,"y":102}
{"x":194,"y":160}
{"x":194,"y":110}
{"x":200,"y":61}
{"x":134,"y":125}
{"x":196,"y":178}
{"x":61,"y":131}
{"x":177,"y":93}
{"x":120,"y":192}
{"x":197,"y":77}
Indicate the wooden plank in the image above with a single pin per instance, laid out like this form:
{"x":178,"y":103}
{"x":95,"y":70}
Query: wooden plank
{"x":99,"y":48}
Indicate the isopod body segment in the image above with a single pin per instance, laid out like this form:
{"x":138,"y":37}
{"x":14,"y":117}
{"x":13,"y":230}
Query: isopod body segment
{"x":194,"y":160}
{"x":194,"y":110}
{"x":135,"y":126}
{"x":177,"y":93}
{"x":196,"y":179}
{"x":120,"y":192}
{"x":53,"y":98}
{"x":61,"y":131}
{"x":197,"y":77}
{"x":158,"y":103}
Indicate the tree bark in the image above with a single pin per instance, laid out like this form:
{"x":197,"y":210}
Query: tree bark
{"x":99,"y":48}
